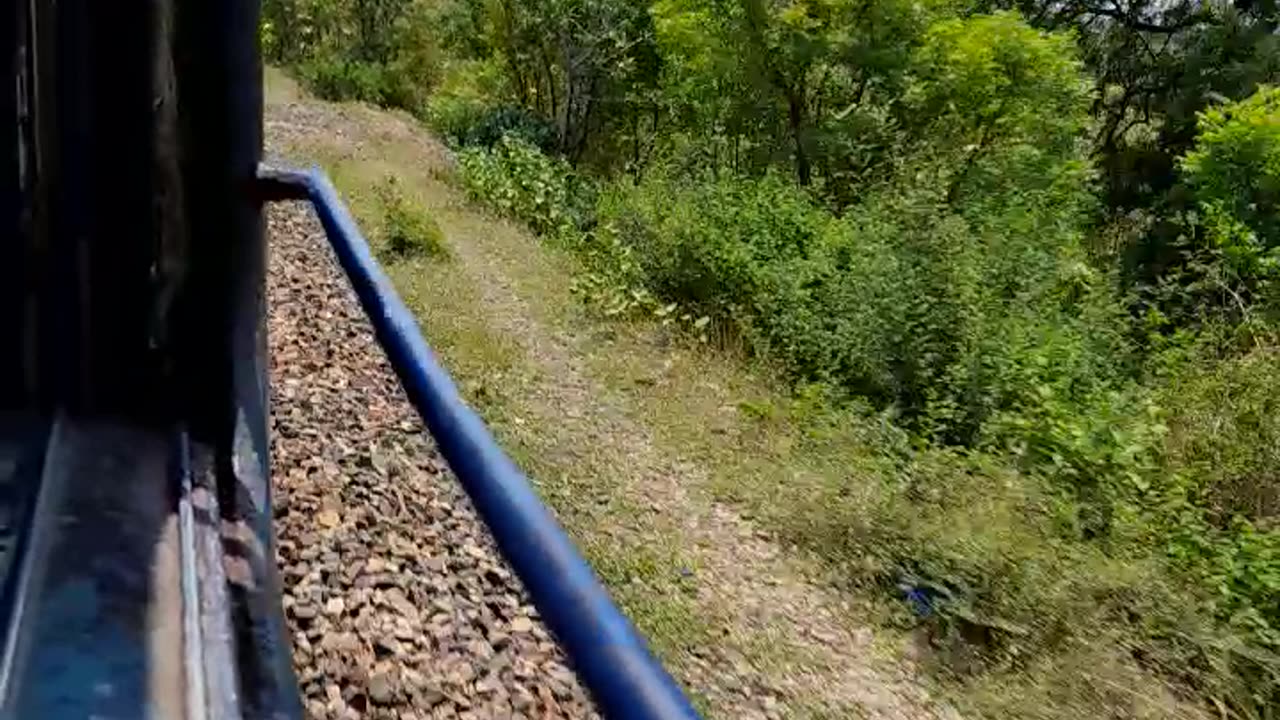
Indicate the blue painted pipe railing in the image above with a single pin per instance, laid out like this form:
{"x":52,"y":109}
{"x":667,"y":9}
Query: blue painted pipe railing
{"x":608,"y":654}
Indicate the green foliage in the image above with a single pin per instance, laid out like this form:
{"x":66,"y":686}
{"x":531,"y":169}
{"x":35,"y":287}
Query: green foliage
{"x":754,"y":85}
{"x":579,"y":63}
{"x":376,"y":51}
{"x":1225,"y":262}
{"x":487,"y":128}
{"x":981,"y":325}
{"x":468,"y":90}
{"x":891,"y":302}
{"x":1229,"y":450}
{"x":996,"y":104}
{"x":333,"y":78}
{"x":1228,"y":454}
{"x":407,"y":230}
{"x":988,"y":79}
{"x":518,"y":180}
{"x":1154,"y":66}
{"x":1235,"y":164}
{"x":1009,"y":594}
{"x":1234,"y":171}
{"x":708,"y":245}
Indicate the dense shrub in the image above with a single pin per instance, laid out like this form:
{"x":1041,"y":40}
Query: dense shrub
{"x":385,"y":54}
{"x":972,"y":332}
{"x":389,"y":85}
{"x":468,"y":91}
{"x":897,"y":301}
{"x":491,"y":126}
{"x":1224,"y":446}
{"x":1235,"y":165}
{"x":333,"y":78}
{"x":407,"y":230}
{"x":519,"y":180}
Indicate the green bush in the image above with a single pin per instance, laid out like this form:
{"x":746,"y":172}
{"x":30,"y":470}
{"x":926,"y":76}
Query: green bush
{"x":1225,"y":432}
{"x":488,"y":128}
{"x":398,"y":68}
{"x":518,"y":180}
{"x":990,"y":332}
{"x":468,"y":91}
{"x":1224,"y":233}
{"x":384,"y":85}
{"x":896,"y":301}
{"x":1224,"y":445}
{"x":333,"y":78}
{"x":407,"y":230}
{"x":1235,"y":165}
{"x":475,"y":123}
{"x":453,"y":116}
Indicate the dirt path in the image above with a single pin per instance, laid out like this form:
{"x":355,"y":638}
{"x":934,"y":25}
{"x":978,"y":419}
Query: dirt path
{"x":772,"y":643}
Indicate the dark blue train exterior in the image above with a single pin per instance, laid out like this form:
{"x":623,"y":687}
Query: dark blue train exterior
{"x":135,"y":503}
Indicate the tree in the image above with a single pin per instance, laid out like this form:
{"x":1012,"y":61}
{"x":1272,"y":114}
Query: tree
{"x":797,"y":81}
{"x":378,"y":24}
{"x":1233,"y":262}
{"x":1155,"y":65}
{"x":568,"y":58}
{"x":990,"y":90}
{"x":1235,"y":164}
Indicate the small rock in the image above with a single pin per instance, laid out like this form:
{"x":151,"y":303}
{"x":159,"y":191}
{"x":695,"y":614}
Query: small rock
{"x":389,"y":646}
{"x":430,"y":697}
{"x":335,"y":606}
{"x":487,"y":685}
{"x":463,"y":674}
{"x":304,"y":611}
{"x":343,"y":642}
{"x":499,"y":663}
{"x":404,"y":631}
{"x":381,"y":689}
{"x":522,"y":625}
{"x":378,"y":459}
{"x":396,"y":599}
{"x":522,"y":699}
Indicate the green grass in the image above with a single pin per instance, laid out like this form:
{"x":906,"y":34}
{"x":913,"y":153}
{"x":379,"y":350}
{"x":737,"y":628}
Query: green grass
{"x":279,"y":88}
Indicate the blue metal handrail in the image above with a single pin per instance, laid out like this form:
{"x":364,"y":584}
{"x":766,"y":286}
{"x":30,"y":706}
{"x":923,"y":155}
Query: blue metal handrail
{"x":609,"y":655}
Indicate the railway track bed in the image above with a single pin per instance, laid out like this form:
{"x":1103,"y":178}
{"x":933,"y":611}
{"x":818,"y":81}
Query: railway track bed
{"x":397,"y":602}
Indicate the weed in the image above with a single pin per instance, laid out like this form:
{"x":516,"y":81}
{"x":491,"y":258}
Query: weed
{"x":407,"y":230}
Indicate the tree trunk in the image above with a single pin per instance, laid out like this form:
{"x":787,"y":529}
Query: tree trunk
{"x":795,"y":117}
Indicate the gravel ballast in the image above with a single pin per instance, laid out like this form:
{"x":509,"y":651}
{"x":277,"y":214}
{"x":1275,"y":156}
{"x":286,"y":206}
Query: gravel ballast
{"x":398,"y":603}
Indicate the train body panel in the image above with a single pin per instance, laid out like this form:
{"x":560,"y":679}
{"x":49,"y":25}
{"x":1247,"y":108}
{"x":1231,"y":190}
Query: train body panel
{"x":136,"y":543}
